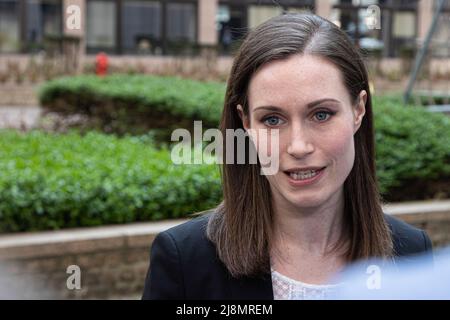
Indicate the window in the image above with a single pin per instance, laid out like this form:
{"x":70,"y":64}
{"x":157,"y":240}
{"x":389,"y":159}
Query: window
{"x":181,"y":22}
{"x":101,"y":25}
{"x":9,"y":26}
{"x":141,"y":26}
{"x":397,"y":24}
{"x":298,"y":10}
{"x":44,"y":18}
{"x":231,"y":27}
{"x":181,"y":28}
{"x":404,"y":25}
{"x":440,"y":41}
{"x":258,"y":14}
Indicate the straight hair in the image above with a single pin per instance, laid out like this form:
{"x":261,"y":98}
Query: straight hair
{"x":241,"y":226}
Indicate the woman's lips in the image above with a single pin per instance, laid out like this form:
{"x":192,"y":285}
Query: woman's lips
{"x":308,"y":181}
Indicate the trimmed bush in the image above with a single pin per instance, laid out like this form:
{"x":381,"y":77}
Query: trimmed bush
{"x":52,"y":181}
{"x":412,"y":149}
{"x":59,"y":181}
{"x":135,"y":103}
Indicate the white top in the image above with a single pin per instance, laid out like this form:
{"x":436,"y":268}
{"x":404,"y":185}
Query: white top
{"x":285,"y":288}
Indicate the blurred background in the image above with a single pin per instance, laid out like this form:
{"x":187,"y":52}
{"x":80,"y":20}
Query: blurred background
{"x":90,"y":91}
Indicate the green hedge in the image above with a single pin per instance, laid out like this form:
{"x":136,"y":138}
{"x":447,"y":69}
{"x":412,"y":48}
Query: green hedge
{"x":52,"y":181}
{"x":135,"y":103}
{"x":412,"y":145}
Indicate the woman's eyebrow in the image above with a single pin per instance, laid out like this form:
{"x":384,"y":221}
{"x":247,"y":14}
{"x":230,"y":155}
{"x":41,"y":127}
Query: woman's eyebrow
{"x":308,"y":106}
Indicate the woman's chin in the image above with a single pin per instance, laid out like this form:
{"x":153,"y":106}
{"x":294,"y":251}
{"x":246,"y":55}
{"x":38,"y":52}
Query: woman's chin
{"x":305,"y":202}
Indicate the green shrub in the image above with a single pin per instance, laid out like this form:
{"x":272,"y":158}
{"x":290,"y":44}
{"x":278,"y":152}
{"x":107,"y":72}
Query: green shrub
{"x":135,"y":103}
{"x":59,"y":181}
{"x":411,"y":144}
{"x":52,"y":181}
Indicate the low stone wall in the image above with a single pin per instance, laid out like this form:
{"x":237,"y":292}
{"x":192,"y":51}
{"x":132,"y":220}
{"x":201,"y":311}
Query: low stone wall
{"x":113,"y":260}
{"x":431,"y":216}
{"x":439,"y":67}
{"x":13,"y":94}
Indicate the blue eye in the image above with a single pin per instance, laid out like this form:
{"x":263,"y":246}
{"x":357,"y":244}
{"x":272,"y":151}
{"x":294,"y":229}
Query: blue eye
{"x":272,"y":121}
{"x":323,"y":115}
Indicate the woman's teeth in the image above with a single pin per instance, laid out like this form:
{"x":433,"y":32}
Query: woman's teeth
{"x":302,"y":175}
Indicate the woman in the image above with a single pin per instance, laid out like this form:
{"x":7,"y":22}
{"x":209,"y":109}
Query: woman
{"x":282,"y":236}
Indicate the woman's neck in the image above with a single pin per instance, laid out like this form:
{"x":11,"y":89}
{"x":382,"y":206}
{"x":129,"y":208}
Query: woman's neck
{"x":311,"y":230}
{"x":303,"y":241}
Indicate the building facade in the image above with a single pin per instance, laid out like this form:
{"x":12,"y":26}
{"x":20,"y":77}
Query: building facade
{"x":174,"y":27}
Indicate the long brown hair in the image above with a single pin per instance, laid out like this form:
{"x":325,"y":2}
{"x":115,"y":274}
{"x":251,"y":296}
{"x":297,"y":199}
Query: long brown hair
{"x":241,"y":227}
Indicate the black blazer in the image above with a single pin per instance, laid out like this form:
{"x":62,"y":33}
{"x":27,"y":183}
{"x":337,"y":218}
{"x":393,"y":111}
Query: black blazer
{"x":184,"y":264}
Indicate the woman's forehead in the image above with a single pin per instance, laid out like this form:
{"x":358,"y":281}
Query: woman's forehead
{"x":300,"y":78}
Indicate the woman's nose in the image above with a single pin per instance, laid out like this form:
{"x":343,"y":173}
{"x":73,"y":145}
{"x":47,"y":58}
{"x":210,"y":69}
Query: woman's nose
{"x":299,"y":143}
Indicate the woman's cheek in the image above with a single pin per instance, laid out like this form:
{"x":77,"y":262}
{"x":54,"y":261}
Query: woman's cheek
{"x":340,"y":146}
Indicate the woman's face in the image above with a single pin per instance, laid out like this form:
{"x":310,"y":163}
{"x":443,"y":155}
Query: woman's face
{"x":304,"y":97}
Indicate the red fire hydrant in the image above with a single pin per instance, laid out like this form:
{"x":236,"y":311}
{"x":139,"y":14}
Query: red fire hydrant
{"x":101,"y":64}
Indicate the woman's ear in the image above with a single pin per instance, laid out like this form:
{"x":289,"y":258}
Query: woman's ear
{"x":359,"y":110}
{"x":244,"y":118}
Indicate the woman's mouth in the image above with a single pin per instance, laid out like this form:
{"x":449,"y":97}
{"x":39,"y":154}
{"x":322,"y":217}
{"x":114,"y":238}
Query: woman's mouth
{"x":304,"y":177}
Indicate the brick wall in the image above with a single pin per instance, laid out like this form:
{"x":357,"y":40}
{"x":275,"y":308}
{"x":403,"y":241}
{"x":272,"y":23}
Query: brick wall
{"x":114,"y":260}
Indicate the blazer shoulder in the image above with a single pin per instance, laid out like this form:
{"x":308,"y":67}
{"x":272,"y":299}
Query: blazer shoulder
{"x":181,"y":257}
{"x":193,"y":230}
{"x":408,"y":240}
{"x":191,"y":241}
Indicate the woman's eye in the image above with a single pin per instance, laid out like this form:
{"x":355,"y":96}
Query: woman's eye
{"x":272,"y":121}
{"x":323,"y":115}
